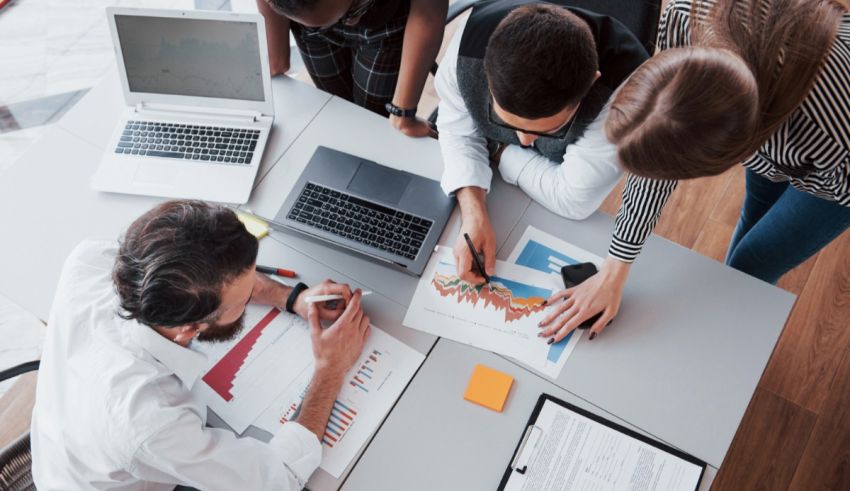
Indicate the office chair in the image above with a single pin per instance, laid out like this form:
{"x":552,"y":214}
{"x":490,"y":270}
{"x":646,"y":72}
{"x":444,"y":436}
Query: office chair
{"x":640,"y":16}
{"x":16,"y":459}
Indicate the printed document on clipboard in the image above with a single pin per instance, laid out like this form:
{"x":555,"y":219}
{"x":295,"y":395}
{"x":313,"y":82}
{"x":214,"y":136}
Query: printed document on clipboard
{"x":568,"y":448}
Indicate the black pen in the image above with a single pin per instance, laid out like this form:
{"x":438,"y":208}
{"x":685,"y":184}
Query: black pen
{"x":479,"y":262}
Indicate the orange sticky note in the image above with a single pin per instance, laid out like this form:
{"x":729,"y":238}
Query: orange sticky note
{"x":488,"y":387}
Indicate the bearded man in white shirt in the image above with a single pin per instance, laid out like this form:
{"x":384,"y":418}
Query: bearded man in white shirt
{"x":113,"y":406}
{"x":524,"y":85}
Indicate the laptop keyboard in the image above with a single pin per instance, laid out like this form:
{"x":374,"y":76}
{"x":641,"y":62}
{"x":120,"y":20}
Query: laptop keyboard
{"x":188,"y":142}
{"x":354,"y":218}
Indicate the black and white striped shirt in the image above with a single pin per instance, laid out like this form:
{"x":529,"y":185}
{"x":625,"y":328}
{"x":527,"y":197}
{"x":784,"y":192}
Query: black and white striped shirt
{"x":811,"y":150}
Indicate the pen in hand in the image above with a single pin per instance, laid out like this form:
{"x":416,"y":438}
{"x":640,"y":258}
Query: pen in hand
{"x":331,"y":301}
{"x":476,"y":257}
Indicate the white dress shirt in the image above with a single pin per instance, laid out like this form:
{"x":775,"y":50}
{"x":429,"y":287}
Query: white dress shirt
{"x":113,"y":407}
{"x":573,"y":189}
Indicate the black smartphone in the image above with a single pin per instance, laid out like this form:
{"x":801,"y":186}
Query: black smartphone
{"x":575,"y":274}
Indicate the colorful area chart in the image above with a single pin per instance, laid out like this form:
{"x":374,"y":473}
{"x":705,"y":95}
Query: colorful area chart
{"x":501,"y":316}
{"x":516,"y":299}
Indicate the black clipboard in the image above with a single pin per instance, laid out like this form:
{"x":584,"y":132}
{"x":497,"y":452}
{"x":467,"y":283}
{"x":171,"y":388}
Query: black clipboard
{"x":529,"y":429}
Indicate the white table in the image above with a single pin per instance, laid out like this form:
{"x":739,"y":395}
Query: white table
{"x":47,"y":202}
{"x":680,"y":363}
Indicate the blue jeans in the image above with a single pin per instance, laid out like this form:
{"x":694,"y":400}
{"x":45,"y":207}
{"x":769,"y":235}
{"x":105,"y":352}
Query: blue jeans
{"x":780,"y":227}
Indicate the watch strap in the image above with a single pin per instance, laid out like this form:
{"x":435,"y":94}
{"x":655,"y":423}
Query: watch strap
{"x":293,"y":296}
{"x":400,"y":112}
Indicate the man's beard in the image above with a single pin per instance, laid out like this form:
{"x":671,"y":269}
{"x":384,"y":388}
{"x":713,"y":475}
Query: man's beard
{"x":218,"y":333}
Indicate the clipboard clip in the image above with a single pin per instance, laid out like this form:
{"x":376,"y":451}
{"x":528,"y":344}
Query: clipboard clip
{"x":520,"y":453}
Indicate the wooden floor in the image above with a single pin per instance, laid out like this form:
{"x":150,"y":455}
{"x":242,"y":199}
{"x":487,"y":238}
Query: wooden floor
{"x":796,"y":432}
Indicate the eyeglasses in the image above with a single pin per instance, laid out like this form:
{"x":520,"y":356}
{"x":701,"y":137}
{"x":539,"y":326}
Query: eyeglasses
{"x":559,"y":134}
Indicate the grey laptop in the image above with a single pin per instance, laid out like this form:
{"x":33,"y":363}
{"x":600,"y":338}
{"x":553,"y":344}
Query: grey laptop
{"x":385,"y":214}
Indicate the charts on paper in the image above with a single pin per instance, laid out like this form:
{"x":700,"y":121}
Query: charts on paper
{"x":262,"y":378}
{"x":371,"y":387}
{"x":548,"y":254}
{"x":501,"y":316}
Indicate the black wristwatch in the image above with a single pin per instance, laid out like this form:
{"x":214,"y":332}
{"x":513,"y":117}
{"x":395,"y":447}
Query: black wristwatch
{"x":293,"y":296}
{"x":401,"y":113}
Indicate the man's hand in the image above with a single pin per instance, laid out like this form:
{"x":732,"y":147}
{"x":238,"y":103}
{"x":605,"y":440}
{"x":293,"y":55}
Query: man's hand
{"x":476,"y":223}
{"x":335,"y":350}
{"x":328,"y":311}
{"x":601,"y":292}
{"x":338,"y":347}
{"x":413,"y":127}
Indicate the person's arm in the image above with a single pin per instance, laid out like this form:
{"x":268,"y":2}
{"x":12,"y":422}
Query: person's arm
{"x":575,"y":188}
{"x":466,"y":171}
{"x":270,"y":292}
{"x":335,"y":349}
{"x":183,"y":451}
{"x":466,"y":162}
{"x":277,"y":35}
{"x":475,"y":223}
{"x":643,"y":200}
{"x":423,"y":34}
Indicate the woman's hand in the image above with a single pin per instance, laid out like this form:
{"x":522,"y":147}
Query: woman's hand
{"x":601,"y":292}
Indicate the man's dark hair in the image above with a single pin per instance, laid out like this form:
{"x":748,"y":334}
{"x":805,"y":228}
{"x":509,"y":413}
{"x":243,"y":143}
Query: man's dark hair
{"x":175,"y":259}
{"x":540,"y":59}
{"x":292,"y":7}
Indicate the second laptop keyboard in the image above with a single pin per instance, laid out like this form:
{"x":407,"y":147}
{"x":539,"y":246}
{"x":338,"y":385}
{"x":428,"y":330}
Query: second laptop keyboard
{"x":360,"y":220}
{"x":188,"y":142}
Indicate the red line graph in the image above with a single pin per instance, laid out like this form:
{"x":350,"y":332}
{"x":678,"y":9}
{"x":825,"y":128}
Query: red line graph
{"x":223,"y":374}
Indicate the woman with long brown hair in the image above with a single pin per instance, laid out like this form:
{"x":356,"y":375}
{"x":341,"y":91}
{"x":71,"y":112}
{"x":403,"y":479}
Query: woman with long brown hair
{"x":761,"y":82}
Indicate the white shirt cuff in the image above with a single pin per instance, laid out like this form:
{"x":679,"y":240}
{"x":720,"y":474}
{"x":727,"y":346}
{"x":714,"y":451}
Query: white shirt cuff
{"x":300,"y":450}
{"x":513,"y":161}
{"x":464,"y":176}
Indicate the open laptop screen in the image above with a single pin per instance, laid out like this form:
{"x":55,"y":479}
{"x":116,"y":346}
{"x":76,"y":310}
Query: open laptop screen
{"x":191,"y":57}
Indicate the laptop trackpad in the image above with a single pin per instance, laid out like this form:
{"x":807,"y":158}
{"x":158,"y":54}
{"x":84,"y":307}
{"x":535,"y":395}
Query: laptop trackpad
{"x":156,"y":173}
{"x":379,"y":182}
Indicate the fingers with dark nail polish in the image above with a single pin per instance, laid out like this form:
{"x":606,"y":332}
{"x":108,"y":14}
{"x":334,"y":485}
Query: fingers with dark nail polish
{"x":592,"y":335}
{"x":551,"y":340}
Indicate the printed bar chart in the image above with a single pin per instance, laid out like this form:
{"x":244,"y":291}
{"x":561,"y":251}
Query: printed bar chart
{"x":222,"y":376}
{"x":542,"y":252}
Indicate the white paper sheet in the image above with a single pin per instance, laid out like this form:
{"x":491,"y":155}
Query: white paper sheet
{"x":572,"y":452}
{"x":259,"y":377}
{"x":247,"y":374}
{"x":371,"y":388}
{"x":502,"y":317}
{"x":548,"y":254}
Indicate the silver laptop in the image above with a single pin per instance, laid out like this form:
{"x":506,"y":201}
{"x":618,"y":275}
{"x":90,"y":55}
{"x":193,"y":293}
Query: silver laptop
{"x":385,"y":214}
{"x":198,"y":104}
